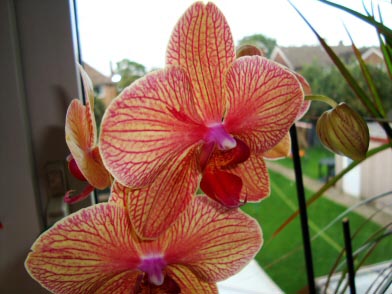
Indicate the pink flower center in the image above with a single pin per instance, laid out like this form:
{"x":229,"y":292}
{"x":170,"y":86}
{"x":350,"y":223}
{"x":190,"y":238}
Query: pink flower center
{"x":217,"y":134}
{"x":153,"y":266}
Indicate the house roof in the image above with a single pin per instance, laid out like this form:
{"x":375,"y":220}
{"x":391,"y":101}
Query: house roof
{"x":96,"y":77}
{"x":296,"y":57}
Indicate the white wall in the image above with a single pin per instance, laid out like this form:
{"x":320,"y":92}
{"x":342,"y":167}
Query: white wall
{"x":352,"y":180}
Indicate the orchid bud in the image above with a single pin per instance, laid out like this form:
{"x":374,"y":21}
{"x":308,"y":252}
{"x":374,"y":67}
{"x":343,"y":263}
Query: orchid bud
{"x":344,"y":132}
{"x":248,"y":50}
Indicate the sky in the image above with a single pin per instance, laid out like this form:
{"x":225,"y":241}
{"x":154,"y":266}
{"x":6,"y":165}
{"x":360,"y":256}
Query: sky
{"x":111,"y":30}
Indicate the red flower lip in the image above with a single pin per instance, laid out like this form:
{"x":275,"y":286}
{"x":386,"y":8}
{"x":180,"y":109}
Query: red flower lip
{"x":217,"y":181}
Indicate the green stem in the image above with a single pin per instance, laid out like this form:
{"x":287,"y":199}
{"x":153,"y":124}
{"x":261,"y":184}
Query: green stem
{"x":322,"y":98}
{"x":330,"y":183}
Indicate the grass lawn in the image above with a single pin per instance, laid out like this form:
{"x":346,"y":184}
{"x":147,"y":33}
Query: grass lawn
{"x":282,"y":257}
{"x":310,"y":161}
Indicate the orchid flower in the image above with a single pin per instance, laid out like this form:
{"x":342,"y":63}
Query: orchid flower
{"x":85,"y":161}
{"x":96,"y":250}
{"x":205,"y":120}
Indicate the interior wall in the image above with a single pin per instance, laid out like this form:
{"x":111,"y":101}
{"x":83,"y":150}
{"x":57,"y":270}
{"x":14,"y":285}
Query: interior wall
{"x":38,"y":80}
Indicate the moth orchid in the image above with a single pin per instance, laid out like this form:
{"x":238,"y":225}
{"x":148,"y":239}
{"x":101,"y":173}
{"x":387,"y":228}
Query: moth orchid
{"x":96,"y":251}
{"x":85,"y":161}
{"x":205,"y":118}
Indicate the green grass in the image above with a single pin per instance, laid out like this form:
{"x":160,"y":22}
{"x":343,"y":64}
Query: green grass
{"x":282,"y":257}
{"x":310,"y":161}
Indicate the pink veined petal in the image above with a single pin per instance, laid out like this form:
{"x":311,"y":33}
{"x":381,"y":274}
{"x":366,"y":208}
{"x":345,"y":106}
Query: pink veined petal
{"x":278,"y":152}
{"x":255,"y":178}
{"x":154,"y":209}
{"x":149,"y":125}
{"x":307,"y":91}
{"x":79,"y":136}
{"x":202,"y":43}
{"x":120,"y":283}
{"x":304,"y":109}
{"x":118,"y":193}
{"x":213,"y":241}
{"x":189,"y":282}
{"x":90,"y":251}
{"x":264,"y":102}
{"x":281,"y":150}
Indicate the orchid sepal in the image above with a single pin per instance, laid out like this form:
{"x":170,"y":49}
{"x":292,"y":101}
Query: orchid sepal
{"x":81,"y":135}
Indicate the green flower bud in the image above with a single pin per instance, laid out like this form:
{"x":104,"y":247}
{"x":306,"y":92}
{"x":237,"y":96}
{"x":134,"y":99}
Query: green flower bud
{"x":344,"y":132}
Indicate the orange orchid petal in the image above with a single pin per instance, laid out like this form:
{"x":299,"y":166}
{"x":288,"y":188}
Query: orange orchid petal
{"x":96,"y":250}
{"x":202,"y":43}
{"x":97,"y":174}
{"x":189,"y":282}
{"x":79,"y":128}
{"x":91,"y":251}
{"x":304,"y":109}
{"x":281,"y":150}
{"x":255,"y":178}
{"x":153,"y":209}
{"x":264,"y":102}
{"x":80,"y":140}
{"x":89,"y":95}
{"x":213,"y":241}
{"x":152,"y":122}
{"x":118,"y":193}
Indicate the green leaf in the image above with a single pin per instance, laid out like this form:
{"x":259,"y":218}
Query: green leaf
{"x":387,"y":53}
{"x":343,"y":70}
{"x":366,"y":18}
{"x":329,"y":184}
{"x":350,"y":209}
{"x":369,"y":80}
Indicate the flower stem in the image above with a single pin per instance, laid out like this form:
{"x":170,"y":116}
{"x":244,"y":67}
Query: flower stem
{"x":322,"y":98}
{"x":303,"y":210}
